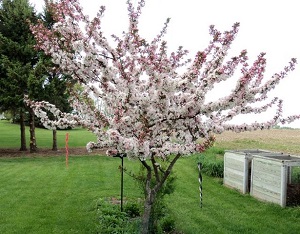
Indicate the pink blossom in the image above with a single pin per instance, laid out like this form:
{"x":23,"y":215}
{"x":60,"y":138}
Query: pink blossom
{"x":148,"y":108}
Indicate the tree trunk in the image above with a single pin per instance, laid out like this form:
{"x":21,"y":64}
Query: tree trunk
{"x":22,"y":129}
{"x":152,"y":192}
{"x":147,"y":212}
{"x":54,"y":140}
{"x":32,"y":146}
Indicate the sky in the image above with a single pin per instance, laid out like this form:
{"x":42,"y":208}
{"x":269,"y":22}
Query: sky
{"x":265,"y":26}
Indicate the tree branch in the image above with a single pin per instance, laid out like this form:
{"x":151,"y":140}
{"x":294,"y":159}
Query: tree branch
{"x":149,"y":176}
{"x":167,"y":173}
{"x":155,"y":166}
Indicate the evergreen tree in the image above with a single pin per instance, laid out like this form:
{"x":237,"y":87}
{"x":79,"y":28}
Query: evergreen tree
{"x":17,"y":60}
{"x":55,"y":84}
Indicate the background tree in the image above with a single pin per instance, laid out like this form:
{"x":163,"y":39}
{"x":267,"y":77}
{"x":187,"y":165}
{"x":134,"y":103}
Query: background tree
{"x":55,"y":85}
{"x":153,"y":112}
{"x":17,"y":59}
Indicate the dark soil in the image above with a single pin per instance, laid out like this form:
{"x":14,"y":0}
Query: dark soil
{"x":8,"y":152}
{"x":293,"y":195}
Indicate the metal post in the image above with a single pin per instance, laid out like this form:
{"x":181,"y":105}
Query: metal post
{"x":122,"y":185}
{"x":283,"y":185}
{"x":121,"y":156}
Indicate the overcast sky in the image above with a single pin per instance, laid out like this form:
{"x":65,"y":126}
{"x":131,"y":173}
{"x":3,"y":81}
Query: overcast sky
{"x":266,"y":26}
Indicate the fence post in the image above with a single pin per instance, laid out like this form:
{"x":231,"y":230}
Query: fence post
{"x":200,"y":182}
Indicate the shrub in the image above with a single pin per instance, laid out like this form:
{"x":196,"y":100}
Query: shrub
{"x":133,"y":209}
{"x":112,"y":220}
{"x":212,"y":162}
{"x":167,"y":224}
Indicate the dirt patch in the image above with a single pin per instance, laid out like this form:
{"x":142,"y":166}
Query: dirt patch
{"x":293,"y":195}
{"x":8,"y":152}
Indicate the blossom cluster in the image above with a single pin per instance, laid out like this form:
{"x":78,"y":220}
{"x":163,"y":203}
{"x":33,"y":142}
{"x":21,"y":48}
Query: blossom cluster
{"x":152,"y":109}
{"x":44,"y":109}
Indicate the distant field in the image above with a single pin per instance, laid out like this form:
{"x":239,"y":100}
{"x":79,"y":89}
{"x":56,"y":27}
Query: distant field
{"x":283,"y":140}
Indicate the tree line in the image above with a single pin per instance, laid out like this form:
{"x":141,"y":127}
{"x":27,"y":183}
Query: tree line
{"x":25,"y":70}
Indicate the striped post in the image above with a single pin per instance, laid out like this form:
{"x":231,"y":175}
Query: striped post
{"x":200,"y":182}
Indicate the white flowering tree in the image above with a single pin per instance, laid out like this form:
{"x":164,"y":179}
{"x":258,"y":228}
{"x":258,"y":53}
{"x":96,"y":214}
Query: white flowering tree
{"x":152,"y":111}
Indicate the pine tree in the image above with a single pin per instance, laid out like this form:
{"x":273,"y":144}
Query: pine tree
{"x":17,"y":60}
{"x":55,"y":84}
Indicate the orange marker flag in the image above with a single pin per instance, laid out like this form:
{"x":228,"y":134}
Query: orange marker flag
{"x":67,"y":150}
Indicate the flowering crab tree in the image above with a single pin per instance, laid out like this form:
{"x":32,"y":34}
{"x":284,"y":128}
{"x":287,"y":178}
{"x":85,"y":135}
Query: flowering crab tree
{"x":152,"y":109}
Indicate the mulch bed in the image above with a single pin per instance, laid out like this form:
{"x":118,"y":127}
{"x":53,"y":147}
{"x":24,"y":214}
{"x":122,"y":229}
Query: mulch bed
{"x":78,"y":151}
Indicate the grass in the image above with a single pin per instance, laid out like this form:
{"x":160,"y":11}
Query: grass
{"x":40,"y":195}
{"x":224,"y":210}
{"x":10,"y":136}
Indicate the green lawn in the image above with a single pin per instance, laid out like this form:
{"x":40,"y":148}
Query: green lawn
{"x":224,"y":210}
{"x":10,"y":136}
{"x":40,"y":195}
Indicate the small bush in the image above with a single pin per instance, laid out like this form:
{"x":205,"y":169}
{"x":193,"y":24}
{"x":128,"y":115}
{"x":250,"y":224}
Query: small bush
{"x":167,"y":224}
{"x":133,"y":210}
{"x":212,"y":162}
{"x":112,"y":220}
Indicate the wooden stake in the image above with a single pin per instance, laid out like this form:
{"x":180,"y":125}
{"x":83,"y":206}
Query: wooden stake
{"x":67,"y":150}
